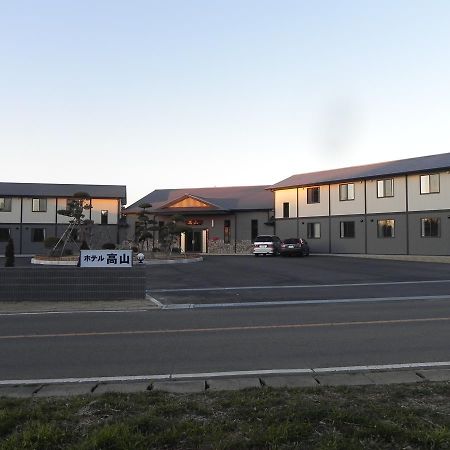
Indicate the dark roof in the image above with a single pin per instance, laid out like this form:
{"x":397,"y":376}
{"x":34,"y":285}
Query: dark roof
{"x":62,"y":190}
{"x":401,"y":166}
{"x":221,"y":198}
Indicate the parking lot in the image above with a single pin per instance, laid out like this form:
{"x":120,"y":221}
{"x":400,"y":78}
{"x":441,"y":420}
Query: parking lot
{"x":240,"y":280}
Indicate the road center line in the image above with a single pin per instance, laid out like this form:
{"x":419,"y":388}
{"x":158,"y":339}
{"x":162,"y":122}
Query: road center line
{"x":225,"y":329}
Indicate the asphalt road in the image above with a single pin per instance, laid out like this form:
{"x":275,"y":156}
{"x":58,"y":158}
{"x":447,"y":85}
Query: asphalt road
{"x":388,"y":329}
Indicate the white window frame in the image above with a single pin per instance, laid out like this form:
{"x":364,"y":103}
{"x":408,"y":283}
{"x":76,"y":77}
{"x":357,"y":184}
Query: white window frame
{"x":423,"y":231}
{"x":426,"y":184}
{"x":388,"y":223}
{"x":342,"y":229}
{"x":346,"y":192}
{"x":5,"y":204}
{"x":382,"y":191}
{"x":39,"y":205}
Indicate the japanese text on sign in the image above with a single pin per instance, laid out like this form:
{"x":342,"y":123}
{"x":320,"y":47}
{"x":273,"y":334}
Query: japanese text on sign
{"x":106,"y":258}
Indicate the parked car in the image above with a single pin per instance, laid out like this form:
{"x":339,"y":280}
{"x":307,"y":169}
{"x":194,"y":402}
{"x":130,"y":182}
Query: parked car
{"x":267,"y":245}
{"x":294,"y":246}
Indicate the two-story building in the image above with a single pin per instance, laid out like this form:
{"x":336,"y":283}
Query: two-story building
{"x":29,"y":213}
{"x":395,"y":207}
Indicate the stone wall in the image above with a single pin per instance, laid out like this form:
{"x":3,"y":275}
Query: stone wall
{"x":218,"y":246}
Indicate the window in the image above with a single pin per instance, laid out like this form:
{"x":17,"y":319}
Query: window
{"x":429,"y":184}
{"x":386,"y":228}
{"x":347,"y":229}
{"x":313,"y":230}
{"x":37,"y":234}
{"x":39,"y":205}
{"x":4,"y":234}
{"x":430,"y":227}
{"x":346,"y":192}
{"x":286,"y":210}
{"x":5,"y":204}
{"x":104,"y":217}
{"x":254,"y":229}
{"x":385,"y":188}
{"x":313,"y":195}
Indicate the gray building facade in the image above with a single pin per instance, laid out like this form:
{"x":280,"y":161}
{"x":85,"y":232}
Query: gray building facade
{"x":394,"y":207}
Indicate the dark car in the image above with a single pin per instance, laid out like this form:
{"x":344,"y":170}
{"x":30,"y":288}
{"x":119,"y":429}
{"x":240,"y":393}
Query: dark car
{"x":294,"y":246}
{"x":267,"y":245}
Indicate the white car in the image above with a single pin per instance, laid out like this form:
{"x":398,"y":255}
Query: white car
{"x":267,"y":245}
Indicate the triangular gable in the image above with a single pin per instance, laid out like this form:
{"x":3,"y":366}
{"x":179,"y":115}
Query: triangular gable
{"x":188,"y":201}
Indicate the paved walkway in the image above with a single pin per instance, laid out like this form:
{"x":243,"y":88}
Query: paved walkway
{"x":228,"y":384}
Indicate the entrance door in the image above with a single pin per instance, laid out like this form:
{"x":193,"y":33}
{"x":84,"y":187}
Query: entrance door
{"x":193,"y":241}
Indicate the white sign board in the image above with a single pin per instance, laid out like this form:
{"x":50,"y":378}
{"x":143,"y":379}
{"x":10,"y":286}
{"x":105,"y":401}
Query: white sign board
{"x":106,"y":258}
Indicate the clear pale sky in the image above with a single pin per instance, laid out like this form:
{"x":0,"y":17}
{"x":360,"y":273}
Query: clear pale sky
{"x":198,"y":93}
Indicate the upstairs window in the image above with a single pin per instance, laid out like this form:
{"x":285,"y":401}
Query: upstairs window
{"x":39,"y":205}
{"x":385,"y":188}
{"x":5,"y":204}
{"x":286,"y":210}
{"x":346,"y":192}
{"x":429,"y":184}
{"x":347,"y":229}
{"x":313,"y":195}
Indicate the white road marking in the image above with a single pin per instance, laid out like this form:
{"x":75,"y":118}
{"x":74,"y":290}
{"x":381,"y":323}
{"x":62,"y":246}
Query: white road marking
{"x":89,"y":311}
{"x":234,"y":373}
{"x":302,"y":302}
{"x":296,"y":286}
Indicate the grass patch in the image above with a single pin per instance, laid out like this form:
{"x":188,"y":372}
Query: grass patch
{"x":364,"y":417}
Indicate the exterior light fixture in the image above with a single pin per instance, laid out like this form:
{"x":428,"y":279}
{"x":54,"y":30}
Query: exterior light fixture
{"x":140,"y":257}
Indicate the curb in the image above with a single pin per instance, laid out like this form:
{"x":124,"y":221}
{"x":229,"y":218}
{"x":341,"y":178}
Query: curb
{"x":316,"y":379}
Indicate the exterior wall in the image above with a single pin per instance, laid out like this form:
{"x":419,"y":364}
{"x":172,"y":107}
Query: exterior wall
{"x":419,"y":245}
{"x":286,"y":228}
{"x":397,"y":203}
{"x":313,"y":209}
{"x":396,"y":245}
{"x":424,"y":202}
{"x":28,"y":216}
{"x":12,"y":216}
{"x":348,"y":245}
{"x":14,"y":233}
{"x":356,"y":206}
{"x":316,"y":245}
{"x":111,"y":205}
{"x":283,"y":196}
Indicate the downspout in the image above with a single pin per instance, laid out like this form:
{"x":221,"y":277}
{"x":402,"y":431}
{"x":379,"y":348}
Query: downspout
{"x":235,"y":232}
{"x":118,"y":221}
{"x":56,"y":216}
{"x":21,"y":222}
{"x":298,"y":218}
{"x":365,"y":217}
{"x":329,"y":218}
{"x":407,"y":215}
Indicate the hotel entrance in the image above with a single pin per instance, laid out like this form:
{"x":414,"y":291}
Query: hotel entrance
{"x":194,"y":241}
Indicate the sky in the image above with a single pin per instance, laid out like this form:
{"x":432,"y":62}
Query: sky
{"x":199,"y":93}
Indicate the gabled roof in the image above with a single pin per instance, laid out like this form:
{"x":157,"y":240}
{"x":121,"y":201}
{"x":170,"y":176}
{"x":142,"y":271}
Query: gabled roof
{"x":219,"y":198}
{"x":398,"y":167}
{"x":62,"y":190}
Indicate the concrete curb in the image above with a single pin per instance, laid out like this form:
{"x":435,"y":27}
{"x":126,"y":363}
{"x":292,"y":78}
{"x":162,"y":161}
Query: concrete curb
{"x":228,"y":384}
